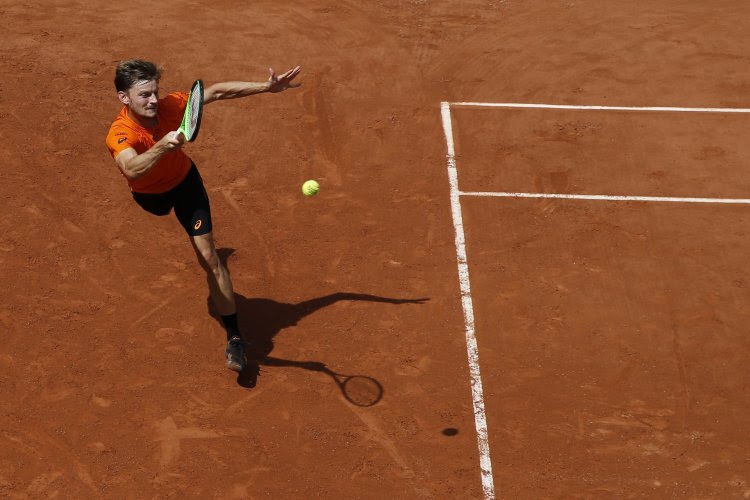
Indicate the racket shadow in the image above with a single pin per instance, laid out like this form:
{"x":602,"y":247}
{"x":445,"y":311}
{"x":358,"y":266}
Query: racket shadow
{"x":261,"y":320}
{"x":359,"y":390}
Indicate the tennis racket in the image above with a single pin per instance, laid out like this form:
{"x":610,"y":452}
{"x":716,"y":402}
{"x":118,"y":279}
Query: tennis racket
{"x":191,"y":120}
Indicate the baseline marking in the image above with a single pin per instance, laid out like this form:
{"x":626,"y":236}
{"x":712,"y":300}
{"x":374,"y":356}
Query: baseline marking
{"x":480,"y":420}
{"x":603,"y":197}
{"x":594,"y":108}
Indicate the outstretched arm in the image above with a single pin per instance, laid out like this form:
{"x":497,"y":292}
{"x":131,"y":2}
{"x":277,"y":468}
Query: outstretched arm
{"x":234,"y":90}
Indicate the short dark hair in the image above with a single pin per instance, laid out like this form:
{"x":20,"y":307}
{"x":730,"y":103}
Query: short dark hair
{"x":132,"y":71}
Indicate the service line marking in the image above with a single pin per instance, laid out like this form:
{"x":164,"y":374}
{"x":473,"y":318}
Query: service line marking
{"x":480,"y":420}
{"x":604,"y":197}
{"x":597,"y":108}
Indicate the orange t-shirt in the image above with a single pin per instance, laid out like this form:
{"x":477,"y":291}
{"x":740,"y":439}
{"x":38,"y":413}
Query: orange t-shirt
{"x":125,"y":133}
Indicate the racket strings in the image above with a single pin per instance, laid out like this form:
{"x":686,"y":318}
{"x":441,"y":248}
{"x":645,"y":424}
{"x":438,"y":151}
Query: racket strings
{"x":193,"y":109}
{"x":194,"y":106}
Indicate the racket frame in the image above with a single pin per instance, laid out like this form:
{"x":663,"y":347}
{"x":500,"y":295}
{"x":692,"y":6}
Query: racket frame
{"x":196,"y":89}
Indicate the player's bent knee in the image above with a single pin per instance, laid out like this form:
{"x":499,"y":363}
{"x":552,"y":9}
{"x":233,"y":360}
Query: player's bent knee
{"x":206,"y":251}
{"x":211,"y":259}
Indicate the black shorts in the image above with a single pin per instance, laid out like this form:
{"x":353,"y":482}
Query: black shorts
{"x":189,"y":200}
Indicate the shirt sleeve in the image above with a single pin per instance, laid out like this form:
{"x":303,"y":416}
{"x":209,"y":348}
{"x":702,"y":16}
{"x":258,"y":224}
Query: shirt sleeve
{"x":173,"y":107}
{"x":119,"y":139}
{"x":179,"y":99}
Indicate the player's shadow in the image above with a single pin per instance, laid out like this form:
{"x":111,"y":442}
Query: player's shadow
{"x":260,"y":320}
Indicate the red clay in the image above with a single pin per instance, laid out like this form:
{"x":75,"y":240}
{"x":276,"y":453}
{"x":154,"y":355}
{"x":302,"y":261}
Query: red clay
{"x":612,"y":336}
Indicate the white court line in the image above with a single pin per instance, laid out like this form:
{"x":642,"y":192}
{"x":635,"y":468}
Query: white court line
{"x":605,"y":108}
{"x":480,"y":420}
{"x":463,"y":268}
{"x":731,"y":201}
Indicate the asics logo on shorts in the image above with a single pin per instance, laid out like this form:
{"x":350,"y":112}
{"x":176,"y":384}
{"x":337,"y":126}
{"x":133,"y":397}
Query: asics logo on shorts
{"x":198,"y":224}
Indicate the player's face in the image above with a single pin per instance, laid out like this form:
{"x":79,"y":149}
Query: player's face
{"x":142,"y":98}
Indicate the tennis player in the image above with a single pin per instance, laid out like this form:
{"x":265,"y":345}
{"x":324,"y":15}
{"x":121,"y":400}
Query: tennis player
{"x":146,"y":146}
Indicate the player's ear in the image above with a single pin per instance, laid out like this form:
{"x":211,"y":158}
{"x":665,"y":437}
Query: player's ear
{"x":123,"y":96}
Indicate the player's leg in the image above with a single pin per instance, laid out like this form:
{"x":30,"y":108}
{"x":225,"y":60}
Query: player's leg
{"x":222,"y":295}
{"x":219,"y":281}
{"x":194,"y":213}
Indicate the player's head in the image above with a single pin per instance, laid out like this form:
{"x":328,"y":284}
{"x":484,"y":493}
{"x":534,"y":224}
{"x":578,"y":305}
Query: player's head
{"x":137,"y":84}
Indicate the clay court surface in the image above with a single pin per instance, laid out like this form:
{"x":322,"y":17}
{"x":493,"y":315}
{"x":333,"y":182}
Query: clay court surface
{"x":612,"y":335}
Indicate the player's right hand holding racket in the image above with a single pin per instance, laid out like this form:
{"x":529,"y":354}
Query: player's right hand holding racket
{"x":173,"y":140}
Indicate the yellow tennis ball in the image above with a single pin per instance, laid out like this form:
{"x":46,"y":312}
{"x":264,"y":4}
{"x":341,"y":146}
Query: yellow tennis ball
{"x":310,"y":188}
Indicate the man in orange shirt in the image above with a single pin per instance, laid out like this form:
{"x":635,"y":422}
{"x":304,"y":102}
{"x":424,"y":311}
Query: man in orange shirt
{"x":146,"y":146}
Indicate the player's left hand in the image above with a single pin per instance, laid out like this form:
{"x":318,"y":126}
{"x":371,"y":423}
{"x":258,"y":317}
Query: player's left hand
{"x":283,"y":81}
